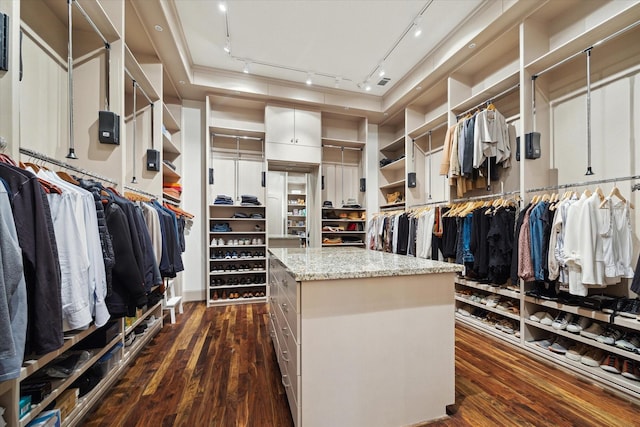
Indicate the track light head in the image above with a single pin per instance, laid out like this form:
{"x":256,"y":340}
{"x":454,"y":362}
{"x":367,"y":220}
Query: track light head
{"x":72,"y":154}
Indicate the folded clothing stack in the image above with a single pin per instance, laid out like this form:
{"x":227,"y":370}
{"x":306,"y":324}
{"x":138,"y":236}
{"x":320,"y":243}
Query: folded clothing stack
{"x":173,"y":189}
{"x":223,"y":199}
{"x":221,"y":227}
{"x":248,"y":200}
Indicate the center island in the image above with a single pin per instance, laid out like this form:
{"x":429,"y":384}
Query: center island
{"x":363,"y":338}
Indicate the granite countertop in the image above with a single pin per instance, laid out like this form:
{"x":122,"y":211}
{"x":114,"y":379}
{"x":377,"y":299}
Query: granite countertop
{"x":351,"y":263}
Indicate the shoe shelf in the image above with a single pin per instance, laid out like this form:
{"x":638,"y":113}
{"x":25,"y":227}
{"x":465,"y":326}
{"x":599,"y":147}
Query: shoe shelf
{"x":226,"y":219}
{"x":142,"y":318}
{"x":343,"y":220}
{"x":343,"y":232}
{"x":237,"y":233}
{"x":590,"y":342}
{"x":236,"y":272}
{"x":143,"y":340}
{"x":240,"y":300}
{"x":395,"y":165}
{"x":342,"y":209}
{"x":631,"y":323}
{"x":616,"y":381}
{"x":579,"y":310}
{"x":60,"y":385}
{"x":238,"y":259}
{"x":488,"y":328}
{"x":487,"y":288}
{"x":251,"y":285}
{"x":238,"y":246}
{"x":491,"y":309}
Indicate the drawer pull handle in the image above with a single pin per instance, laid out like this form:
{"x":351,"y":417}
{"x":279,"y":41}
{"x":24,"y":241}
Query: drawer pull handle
{"x":285,"y":353}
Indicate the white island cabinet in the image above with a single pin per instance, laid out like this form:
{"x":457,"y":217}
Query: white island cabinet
{"x":363,"y":338}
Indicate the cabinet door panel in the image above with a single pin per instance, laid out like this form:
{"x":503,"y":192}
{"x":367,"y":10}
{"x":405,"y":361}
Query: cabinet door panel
{"x":279,"y":124}
{"x":293,"y":153}
{"x":250,"y":179}
{"x":308,"y":129}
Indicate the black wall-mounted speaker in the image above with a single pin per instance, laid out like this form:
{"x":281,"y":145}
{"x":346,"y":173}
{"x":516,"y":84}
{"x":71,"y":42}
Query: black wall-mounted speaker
{"x":108,"y":127}
{"x":411,"y":180}
{"x":363,"y":185}
{"x":210,"y":175}
{"x":4,"y":42}
{"x":263,"y":179}
{"x":153,"y":160}
{"x":322,"y":184}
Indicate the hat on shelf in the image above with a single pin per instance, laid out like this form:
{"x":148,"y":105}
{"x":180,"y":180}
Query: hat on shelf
{"x":327,"y":204}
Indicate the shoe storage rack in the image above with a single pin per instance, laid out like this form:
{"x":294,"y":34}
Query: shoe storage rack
{"x":111,"y":349}
{"x":493,"y":309}
{"x":343,"y":226}
{"x":237,"y":255}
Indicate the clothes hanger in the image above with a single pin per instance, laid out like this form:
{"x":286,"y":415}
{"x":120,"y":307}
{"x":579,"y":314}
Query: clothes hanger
{"x":66,"y":177}
{"x":615,"y":191}
{"x":600,"y":193}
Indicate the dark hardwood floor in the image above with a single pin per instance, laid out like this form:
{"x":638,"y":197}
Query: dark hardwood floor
{"x":217,"y":367}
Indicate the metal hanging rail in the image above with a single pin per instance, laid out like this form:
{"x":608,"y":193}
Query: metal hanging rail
{"x":430,"y":130}
{"x":144,"y":193}
{"x":56,"y":162}
{"x":599,"y":42}
{"x":139,"y":87}
{"x":493,"y":98}
{"x":485,"y":197}
{"x":440,"y":202}
{"x":340,"y":147}
{"x":224,"y":135}
{"x":583,"y":184}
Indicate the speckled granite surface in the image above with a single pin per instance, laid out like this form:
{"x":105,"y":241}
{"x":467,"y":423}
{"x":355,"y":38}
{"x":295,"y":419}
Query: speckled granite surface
{"x":349,"y":263}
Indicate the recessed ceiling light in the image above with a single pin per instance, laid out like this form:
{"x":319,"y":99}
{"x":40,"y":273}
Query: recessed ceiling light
{"x":472,"y":45}
{"x":158,"y":28}
{"x":222,"y":6}
{"x":181,"y":82}
{"x":417,"y":32}
{"x":367,"y":87}
{"x":309,"y":81}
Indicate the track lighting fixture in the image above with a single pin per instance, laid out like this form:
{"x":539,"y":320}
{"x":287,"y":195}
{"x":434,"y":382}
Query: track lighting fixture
{"x":309,"y":80}
{"x":222,"y":6}
{"x":381,"y":71}
{"x":417,"y":29}
{"x":227,"y":46}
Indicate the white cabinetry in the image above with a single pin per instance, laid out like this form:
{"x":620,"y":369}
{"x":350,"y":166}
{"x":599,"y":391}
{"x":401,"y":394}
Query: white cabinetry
{"x":293,"y":134}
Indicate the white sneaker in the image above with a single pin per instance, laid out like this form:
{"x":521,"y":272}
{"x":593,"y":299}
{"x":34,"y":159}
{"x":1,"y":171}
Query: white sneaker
{"x":214,"y":242}
{"x":562,"y":320}
{"x":560,"y":346}
{"x":593,"y":331}
{"x":220,"y":242}
{"x":537,"y":316}
{"x":578,"y":324}
{"x":629,"y":342}
{"x":546,"y":319}
{"x":610,"y":336}
{"x":465,"y":310}
{"x":493,"y":301}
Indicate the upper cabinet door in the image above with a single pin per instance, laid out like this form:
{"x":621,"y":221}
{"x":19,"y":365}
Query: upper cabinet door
{"x":308,"y":128}
{"x":279,"y":124}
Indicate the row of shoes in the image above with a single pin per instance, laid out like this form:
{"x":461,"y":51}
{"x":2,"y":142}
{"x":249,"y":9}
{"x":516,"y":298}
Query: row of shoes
{"x":592,"y":330}
{"x":235,"y":281}
{"x":236,"y":295}
{"x":592,"y":356}
{"x":626,"y":307}
{"x":237,"y":255}
{"x":256,"y":241}
{"x":490,"y":300}
{"x":139,"y":330}
{"x":503,"y":324}
{"x":486,"y":284}
{"x":232,"y":268}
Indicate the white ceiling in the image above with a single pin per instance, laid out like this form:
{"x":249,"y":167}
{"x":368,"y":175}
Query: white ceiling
{"x":328,"y":38}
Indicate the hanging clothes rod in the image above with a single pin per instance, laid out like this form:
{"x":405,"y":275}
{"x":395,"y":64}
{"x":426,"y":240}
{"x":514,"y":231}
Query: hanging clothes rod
{"x":599,"y":42}
{"x":53,"y":161}
{"x":93,"y":25}
{"x":441,"y":202}
{"x":500,"y":95}
{"x":224,"y":135}
{"x":583,"y":184}
{"x":430,"y":130}
{"x":144,"y":193}
{"x":138,"y":86}
{"x":485,"y":197}
{"x":342,"y":148}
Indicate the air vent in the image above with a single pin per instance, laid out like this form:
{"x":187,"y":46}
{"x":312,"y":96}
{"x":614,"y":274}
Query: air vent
{"x":383,"y":81}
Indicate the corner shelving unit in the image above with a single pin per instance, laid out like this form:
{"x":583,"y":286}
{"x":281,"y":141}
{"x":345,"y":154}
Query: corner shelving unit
{"x":237,"y":258}
{"x":392,"y":176}
{"x":297,"y":205}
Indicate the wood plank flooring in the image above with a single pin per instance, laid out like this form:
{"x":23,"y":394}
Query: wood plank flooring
{"x":217,"y":367}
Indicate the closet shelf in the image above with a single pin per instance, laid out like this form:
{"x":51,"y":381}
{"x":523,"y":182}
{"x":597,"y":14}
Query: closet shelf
{"x":60,"y":385}
{"x":343,"y":209}
{"x":132,"y":65}
{"x":581,"y":311}
{"x":238,"y":246}
{"x":343,"y":220}
{"x":236,"y":272}
{"x":139,"y":320}
{"x":296,"y":216}
{"x":169,"y":121}
{"x":140,"y":343}
{"x":170,"y":198}
{"x":396,"y":165}
{"x":392,"y":206}
{"x":32,"y":365}
{"x":251,"y":300}
{"x":169,"y":175}
{"x":577,"y":337}
{"x":343,"y":142}
{"x":395,"y":145}
{"x":252,"y":285}
{"x":237,"y":259}
{"x":491,"y":309}
{"x":343,"y":232}
{"x":236,"y":233}
{"x":509,"y":81}
{"x":438,"y":119}
{"x":396,"y":184}
{"x":169,"y":146}
{"x":595,"y":373}
{"x":487,"y":328}
{"x":236,"y":219}
{"x":238,"y":206}
{"x":487,"y":288}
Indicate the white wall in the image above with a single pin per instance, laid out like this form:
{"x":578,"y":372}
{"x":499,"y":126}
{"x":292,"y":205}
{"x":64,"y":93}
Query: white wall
{"x":194,"y":200}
